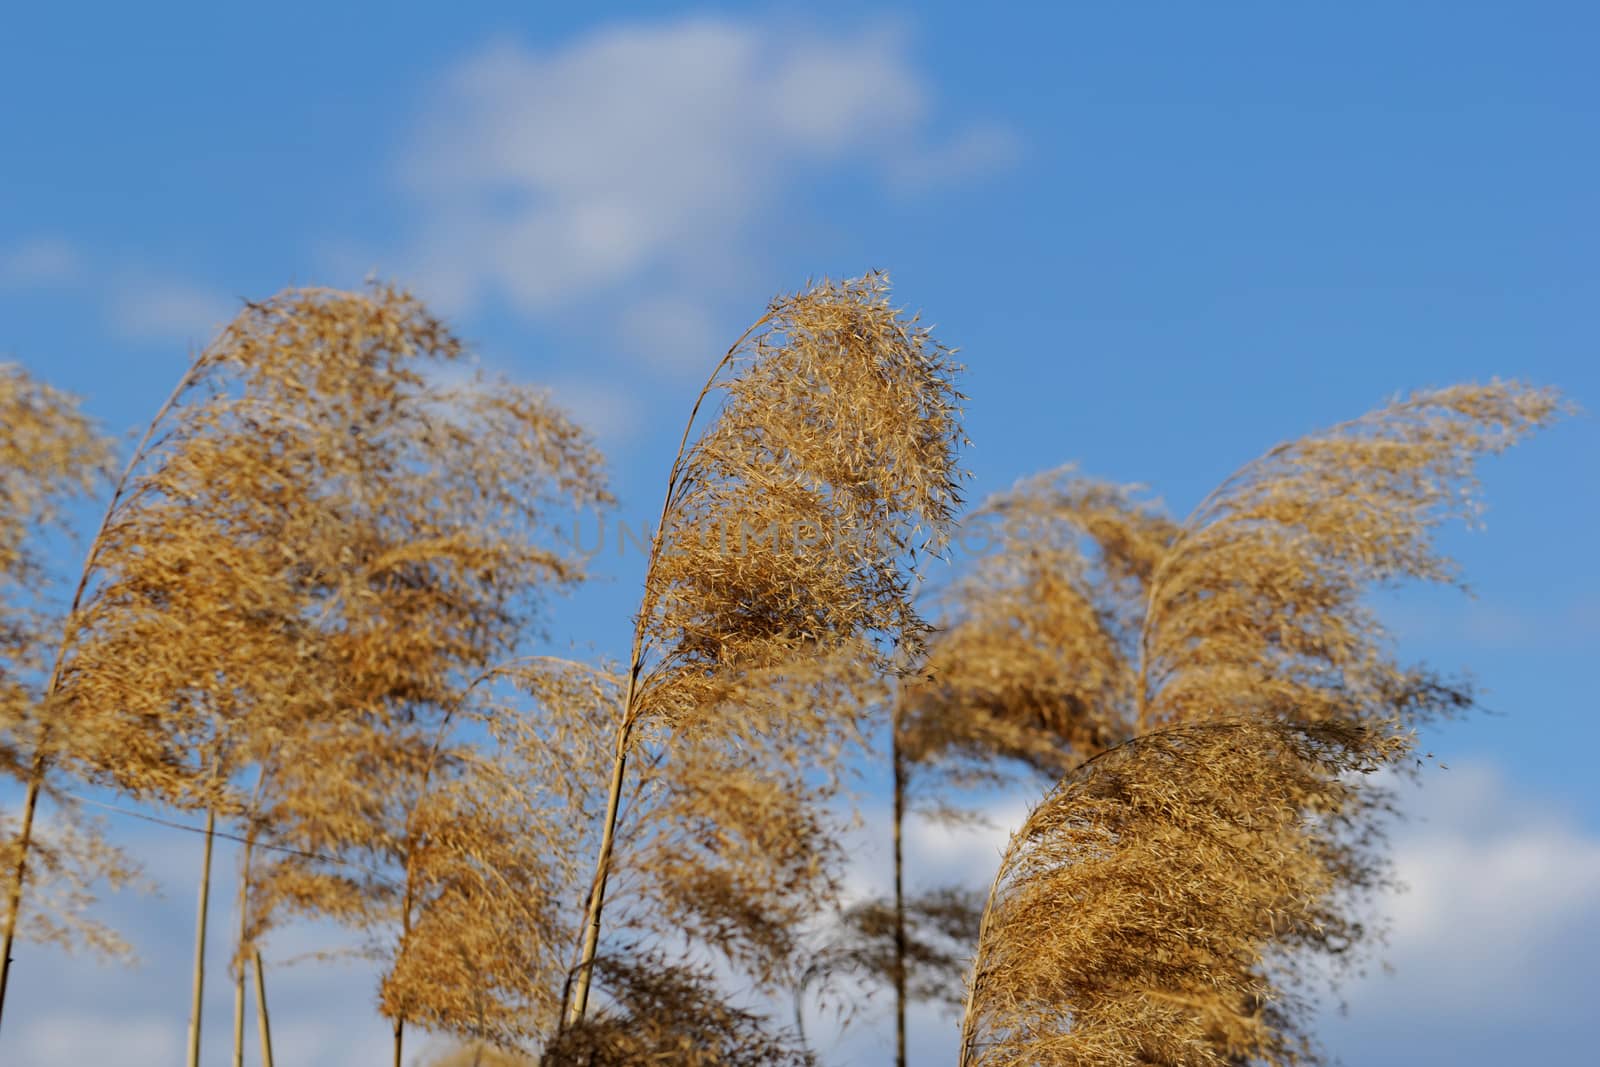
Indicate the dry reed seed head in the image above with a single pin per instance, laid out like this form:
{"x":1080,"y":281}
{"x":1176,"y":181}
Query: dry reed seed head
{"x":558,"y":722}
{"x":70,"y":863}
{"x":1036,"y":657}
{"x":775,"y":595}
{"x":334,"y":821}
{"x":474,"y":835}
{"x":483,"y":954}
{"x":1253,"y":609}
{"x":1136,"y":913}
{"x":664,"y":1011}
{"x":488,"y":848}
{"x":51,"y":454}
{"x":731,"y":839}
{"x":834,"y":447}
{"x":324,"y":546}
{"x":1260,"y":606}
{"x":319,"y":528}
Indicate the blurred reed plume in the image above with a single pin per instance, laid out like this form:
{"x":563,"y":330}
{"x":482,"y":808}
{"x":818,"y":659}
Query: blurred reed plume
{"x":320,"y":539}
{"x":51,"y":456}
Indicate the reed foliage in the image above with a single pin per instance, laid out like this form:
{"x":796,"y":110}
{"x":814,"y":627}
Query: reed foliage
{"x":314,"y":613}
{"x":777,"y":596}
{"x":1254,"y":612}
{"x":52,"y":458}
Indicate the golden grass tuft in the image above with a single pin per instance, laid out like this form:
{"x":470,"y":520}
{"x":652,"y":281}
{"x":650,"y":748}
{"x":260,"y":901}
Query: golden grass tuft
{"x":777,"y":592}
{"x":1135,"y":908}
{"x":1099,"y":626}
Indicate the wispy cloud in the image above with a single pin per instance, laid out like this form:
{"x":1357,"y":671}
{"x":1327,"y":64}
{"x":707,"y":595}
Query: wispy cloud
{"x":166,"y":310}
{"x":671,"y":332}
{"x":610,"y":413}
{"x":973,"y":152}
{"x":615,"y":166}
{"x":40,"y":261}
{"x":68,"y":1038}
{"x":1492,"y":883}
{"x":135,"y":304}
{"x":1492,"y":943}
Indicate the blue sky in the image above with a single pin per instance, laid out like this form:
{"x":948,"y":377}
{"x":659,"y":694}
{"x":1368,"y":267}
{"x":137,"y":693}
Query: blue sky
{"x":1164,"y":237}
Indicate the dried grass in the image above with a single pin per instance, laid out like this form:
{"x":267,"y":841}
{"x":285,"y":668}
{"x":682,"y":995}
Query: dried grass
{"x":829,"y":466}
{"x":1134,"y":910}
{"x":304,"y":610}
{"x":1124,"y":632}
{"x":51,"y":456}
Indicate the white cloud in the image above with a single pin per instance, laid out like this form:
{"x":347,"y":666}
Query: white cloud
{"x":642,"y":153}
{"x":609,"y":413}
{"x":980,"y":149}
{"x":673,"y":332}
{"x":330,"y":1040}
{"x":166,"y":310}
{"x":967,"y":853}
{"x":40,"y":261}
{"x":135,"y":305}
{"x":71,"y":1010}
{"x":1492,"y":947}
{"x":938,"y":852}
{"x":1495,"y":887}
{"x":58,"y":1039}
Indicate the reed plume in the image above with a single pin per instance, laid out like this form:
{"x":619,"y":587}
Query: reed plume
{"x":1036,"y":658}
{"x":1253,"y":612}
{"x":777,"y":592}
{"x":474,"y":934}
{"x":307,"y":612}
{"x":51,"y":456}
{"x":1029,"y":669}
{"x":322,"y":536}
{"x":1136,"y":909}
